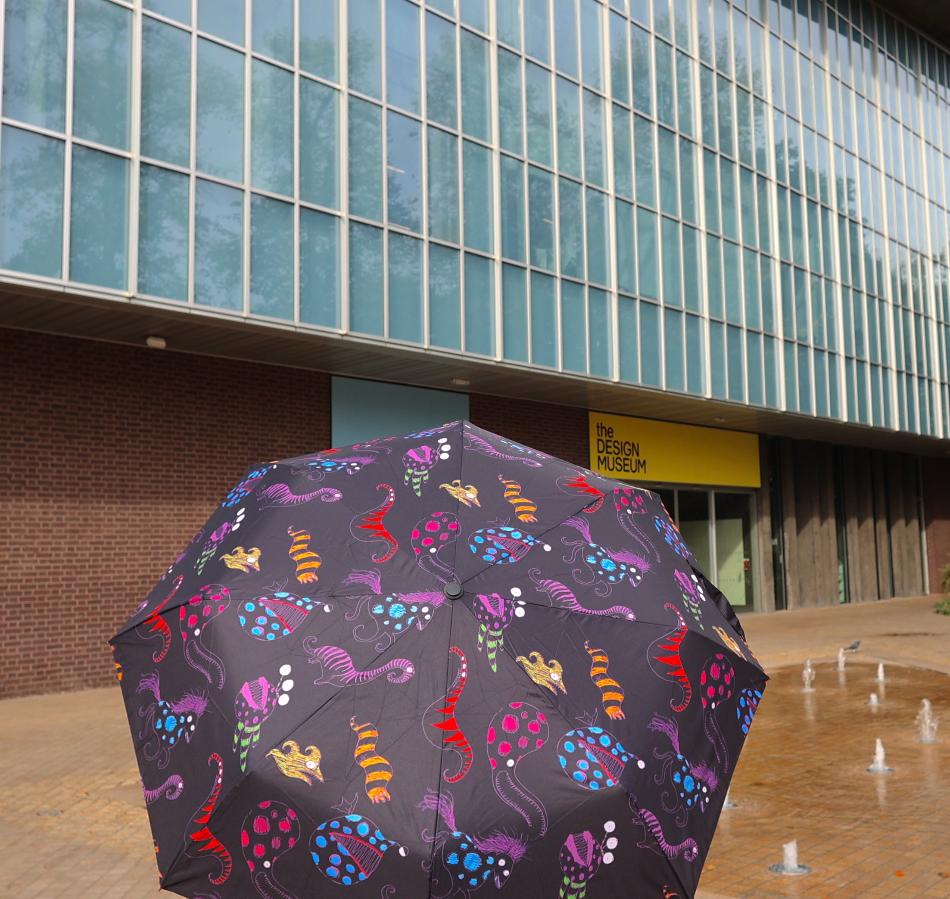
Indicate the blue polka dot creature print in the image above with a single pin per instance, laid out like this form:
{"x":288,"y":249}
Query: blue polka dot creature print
{"x":593,"y":758}
{"x":503,"y":545}
{"x":348,"y":849}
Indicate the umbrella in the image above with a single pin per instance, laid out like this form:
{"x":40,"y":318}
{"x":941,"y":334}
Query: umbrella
{"x":435,"y":665}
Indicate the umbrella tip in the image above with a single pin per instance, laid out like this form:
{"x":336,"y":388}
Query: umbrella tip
{"x":452,"y":590}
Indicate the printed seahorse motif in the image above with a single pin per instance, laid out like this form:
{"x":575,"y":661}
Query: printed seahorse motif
{"x":169,"y":722}
{"x":688,"y":849}
{"x":494,"y":613}
{"x":503,"y":545}
{"x":692,"y":785}
{"x":516,"y":731}
{"x":611,"y":693}
{"x":377,"y":769}
{"x":306,"y":560}
{"x":594,"y":758}
{"x":478,"y":444}
{"x":193,"y":617}
{"x":368,"y":526}
{"x":562,"y":597}
{"x":466,"y":862}
{"x":579,"y":484}
{"x":200,"y":842}
{"x":631,"y":505}
{"x":276,"y":613}
{"x":253,"y":705}
{"x":318,"y":469}
{"x":158,"y":625}
{"x":724,"y":636}
{"x":429,"y":537}
{"x":269,"y":831}
{"x":171,"y":789}
{"x":441,"y":715}
{"x":391,"y":614}
{"x":292,"y":762}
{"x":337,"y":669}
{"x":605,"y":567}
{"x":524,"y":507}
{"x":665,"y":651}
{"x":467,"y":495}
{"x":549,"y":675}
{"x":283,"y":495}
{"x":716,"y":685}
{"x":581,"y":857}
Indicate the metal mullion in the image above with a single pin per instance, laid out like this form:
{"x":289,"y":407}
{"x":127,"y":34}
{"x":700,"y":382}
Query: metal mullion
{"x":460,"y":179}
{"x":246,"y":187}
{"x":68,"y":128}
{"x":192,"y":152}
{"x":343,"y":143}
{"x":556,"y":198}
{"x":495,"y":187}
{"x":611,"y":199}
{"x":526,"y":182}
{"x":424,"y":174}
{"x":295,"y":150}
{"x":135,"y":145}
{"x":384,"y":135}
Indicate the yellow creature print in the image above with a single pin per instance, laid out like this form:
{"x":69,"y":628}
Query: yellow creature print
{"x":292,"y":762}
{"x":611,"y":692}
{"x":243,"y":561}
{"x":545,"y":674}
{"x":467,"y":495}
{"x":729,"y":641}
{"x":524,"y":507}
{"x":378,"y":771}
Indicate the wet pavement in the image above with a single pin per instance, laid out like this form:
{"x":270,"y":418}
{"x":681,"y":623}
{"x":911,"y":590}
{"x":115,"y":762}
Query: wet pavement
{"x":73,"y":823}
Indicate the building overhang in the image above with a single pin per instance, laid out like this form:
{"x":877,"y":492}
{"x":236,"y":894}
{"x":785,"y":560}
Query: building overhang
{"x":927,"y":16}
{"x":207,"y":332}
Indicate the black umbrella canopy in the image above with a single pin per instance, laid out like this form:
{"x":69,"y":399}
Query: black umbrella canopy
{"x":435,"y":665}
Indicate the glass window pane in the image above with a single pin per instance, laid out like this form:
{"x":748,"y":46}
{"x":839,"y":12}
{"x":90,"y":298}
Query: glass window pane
{"x":443,"y":186}
{"x":750,"y":281}
{"x":628,"y":339}
{"x":319,"y":152}
{"x":99,"y":219}
{"x":651,"y":366}
{"x":669,"y":182}
{"x":508,"y":16}
{"x":366,"y":159}
{"x":572,"y":228}
{"x":364,"y":48}
{"x":31,"y":202}
{"x":319,"y":268}
{"x":672,"y":276}
{"x":590,"y":43}
{"x":404,"y":171}
{"x":476,"y":82}
{"x":665,"y":110}
{"x":647,"y":253}
{"x":318,"y":38}
{"x":684,"y":93}
{"x":219,"y":241}
{"x":661,"y":18}
{"x":714,"y":276}
{"x":598,"y":333}
{"x":366,"y":279}
{"x":565,"y":37}
{"x":771,"y":376}
{"x":642,"y":70}
{"x":754,"y":363}
{"x":477,"y":196}
{"x":619,"y":59}
{"x":220,"y":111}
{"x":623,"y":157}
{"x":445,"y":297}
{"x":166,"y":92}
{"x":717,"y":361}
{"x":707,"y":103}
{"x":512,"y":209}
{"x":272,"y":128}
{"x":568,"y":128}
{"x":644,"y":155}
{"x":573,"y":327}
{"x":695,"y":365}
{"x":692,"y":277}
{"x":474,"y":13}
{"x":687,"y":181}
{"x":731,"y":282}
{"x":222,"y":18}
{"x":402,"y":54}
{"x":597,"y":237}
{"x":163,"y":233}
{"x":179,"y":10}
{"x":724,"y":110}
{"x":673,"y":349}
{"x":405,"y":288}
{"x":625,"y":249}
{"x":272,"y":29}
{"x":102,"y":79}
{"x":514,"y":313}
{"x":34,"y":62}
{"x":541,"y":217}
{"x":595,"y":139}
{"x":727,"y":188}
{"x":543,"y":320}
{"x":479,"y":306}
{"x":538,"y":101}
{"x":536,"y":41}
{"x":511,"y":131}
{"x":440,"y":70}
{"x":272,"y":257}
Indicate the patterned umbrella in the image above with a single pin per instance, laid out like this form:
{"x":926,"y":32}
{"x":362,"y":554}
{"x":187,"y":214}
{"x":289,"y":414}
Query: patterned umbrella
{"x":430,"y":665}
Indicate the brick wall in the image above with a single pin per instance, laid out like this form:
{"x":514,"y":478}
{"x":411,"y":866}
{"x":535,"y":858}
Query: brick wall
{"x":936,"y":490}
{"x":113,"y":457}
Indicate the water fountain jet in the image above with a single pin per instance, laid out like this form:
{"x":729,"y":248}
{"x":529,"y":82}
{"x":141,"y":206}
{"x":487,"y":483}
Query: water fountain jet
{"x":879,"y":765}
{"x":841,"y":659}
{"x":808,"y":677}
{"x":880,"y":673}
{"x":873,"y":701}
{"x":926,"y":722}
{"x":789,"y":863}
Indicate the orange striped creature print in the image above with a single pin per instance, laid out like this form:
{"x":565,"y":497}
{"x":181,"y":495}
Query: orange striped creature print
{"x":524,"y":507}
{"x":611,"y":692}
{"x":306,"y":559}
{"x":378,"y":772}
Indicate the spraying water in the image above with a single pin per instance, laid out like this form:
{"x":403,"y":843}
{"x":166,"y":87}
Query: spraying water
{"x":808,"y":677}
{"x":926,"y":722}
{"x":789,"y":863}
{"x":879,"y":765}
{"x":841,"y":660}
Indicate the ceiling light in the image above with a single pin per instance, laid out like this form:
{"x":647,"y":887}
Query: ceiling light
{"x":155,"y":343}
{"x":719,"y":420}
{"x":461,"y":382}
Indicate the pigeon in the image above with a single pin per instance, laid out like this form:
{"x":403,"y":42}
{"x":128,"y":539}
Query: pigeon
{"x":853,"y":647}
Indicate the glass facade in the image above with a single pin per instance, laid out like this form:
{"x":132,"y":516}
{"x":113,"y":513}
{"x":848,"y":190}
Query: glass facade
{"x":739,"y":199}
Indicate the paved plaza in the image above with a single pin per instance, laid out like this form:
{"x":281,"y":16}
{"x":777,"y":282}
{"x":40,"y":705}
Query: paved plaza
{"x":74,"y":817}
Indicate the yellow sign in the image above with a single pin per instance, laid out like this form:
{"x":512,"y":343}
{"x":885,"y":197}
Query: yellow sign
{"x":642,"y":449}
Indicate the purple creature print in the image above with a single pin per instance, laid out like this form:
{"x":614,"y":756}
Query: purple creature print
{"x":193,"y":617}
{"x":167,"y":723}
{"x":281,"y":495}
{"x":392,"y":614}
{"x":276,"y":613}
{"x":604,"y":567}
{"x":494,"y":613}
{"x":269,"y":831}
{"x":477,"y":444}
{"x":716,"y":686}
{"x":503,"y":545}
{"x":631,"y":507}
{"x":581,"y":857}
{"x":563,"y":598}
{"x":746,"y":707}
{"x":516,"y":731}
{"x":692,"y":785}
{"x":429,"y":537}
{"x":466,"y":862}
{"x":670,"y":533}
{"x":594,"y":758}
{"x":418,"y":462}
{"x":694,"y":597}
{"x":654,"y":838}
{"x":368,"y":526}
{"x":337,"y":668}
{"x":253,"y":705}
{"x":171,"y":789}
{"x":218,"y":535}
{"x":251,"y":480}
